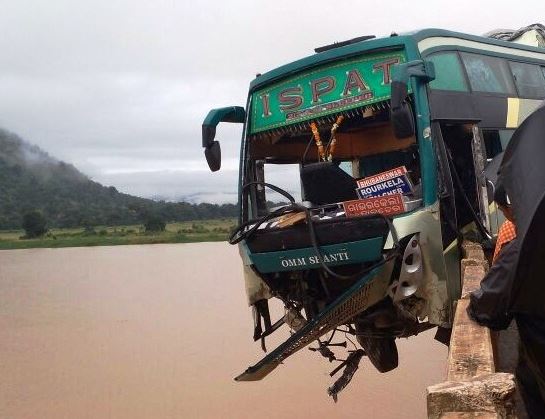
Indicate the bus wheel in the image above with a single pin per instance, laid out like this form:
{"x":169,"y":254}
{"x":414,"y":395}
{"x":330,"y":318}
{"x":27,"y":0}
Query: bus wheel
{"x":382,"y":352}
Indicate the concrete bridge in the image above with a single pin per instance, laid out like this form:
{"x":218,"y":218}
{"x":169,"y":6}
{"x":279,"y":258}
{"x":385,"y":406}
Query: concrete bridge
{"x":480,"y":381}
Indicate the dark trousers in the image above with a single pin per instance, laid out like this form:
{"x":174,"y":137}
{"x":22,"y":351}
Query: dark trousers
{"x":529,"y":391}
{"x":531,"y":366}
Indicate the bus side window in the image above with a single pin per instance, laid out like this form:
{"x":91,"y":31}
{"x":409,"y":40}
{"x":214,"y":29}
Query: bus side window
{"x":492,"y":143}
{"x":448,"y":72}
{"x":495,"y":141}
{"x":530,"y":81}
{"x":505,"y":137}
{"x":488,"y":74}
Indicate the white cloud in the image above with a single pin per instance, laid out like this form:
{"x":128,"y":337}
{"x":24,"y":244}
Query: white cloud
{"x":120,"y":87}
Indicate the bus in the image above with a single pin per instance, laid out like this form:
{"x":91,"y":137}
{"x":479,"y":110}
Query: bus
{"x":362,"y":170}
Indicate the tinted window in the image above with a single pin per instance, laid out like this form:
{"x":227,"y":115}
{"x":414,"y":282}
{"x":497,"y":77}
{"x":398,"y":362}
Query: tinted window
{"x":496,"y":141}
{"x":528,"y":79}
{"x":448,"y":72}
{"x":505,"y":137}
{"x":492,"y":143}
{"x":488,"y":74}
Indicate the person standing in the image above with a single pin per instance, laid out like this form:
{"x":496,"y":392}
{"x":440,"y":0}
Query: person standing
{"x":514,"y":286}
{"x":490,"y":306}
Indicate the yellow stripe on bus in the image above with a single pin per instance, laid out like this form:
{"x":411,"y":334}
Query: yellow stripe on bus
{"x":513,"y":109}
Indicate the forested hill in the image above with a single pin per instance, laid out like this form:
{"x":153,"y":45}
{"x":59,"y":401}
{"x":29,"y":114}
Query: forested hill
{"x":30,"y":179}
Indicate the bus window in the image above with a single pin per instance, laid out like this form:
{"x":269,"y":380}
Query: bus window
{"x":492,"y":143}
{"x":487,"y":74}
{"x":286,"y":177}
{"x":505,"y":137}
{"x":448,"y":72}
{"x":528,"y":79}
{"x":496,"y":141}
{"x":365,"y":146}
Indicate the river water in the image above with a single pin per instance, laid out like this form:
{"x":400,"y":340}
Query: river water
{"x":159,"y":331}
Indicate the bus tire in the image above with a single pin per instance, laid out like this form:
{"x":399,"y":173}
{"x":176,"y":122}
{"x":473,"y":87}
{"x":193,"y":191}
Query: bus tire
{"x":382,"y":352}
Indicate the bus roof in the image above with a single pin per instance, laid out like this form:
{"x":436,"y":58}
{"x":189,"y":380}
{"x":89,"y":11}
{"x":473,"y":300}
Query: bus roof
{"x":408,"y":41}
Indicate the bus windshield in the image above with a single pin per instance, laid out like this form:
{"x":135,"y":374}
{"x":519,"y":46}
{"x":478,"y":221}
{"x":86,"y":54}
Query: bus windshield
{"x":344,"y":158}
{"x":324,"y":136}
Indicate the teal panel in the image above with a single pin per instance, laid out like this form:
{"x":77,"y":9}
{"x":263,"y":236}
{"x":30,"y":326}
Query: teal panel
{"x":326,"y":90}
{"x":448,"y":72}
{"x":336,"y":254}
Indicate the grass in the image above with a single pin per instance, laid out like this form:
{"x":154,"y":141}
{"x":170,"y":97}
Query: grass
{"x":183,"y":232}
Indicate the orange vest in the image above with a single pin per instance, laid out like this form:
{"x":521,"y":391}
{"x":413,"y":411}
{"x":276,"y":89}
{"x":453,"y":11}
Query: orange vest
{"x":507,"y":233}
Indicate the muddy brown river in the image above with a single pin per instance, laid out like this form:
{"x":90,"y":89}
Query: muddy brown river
{"x":159,"y":331}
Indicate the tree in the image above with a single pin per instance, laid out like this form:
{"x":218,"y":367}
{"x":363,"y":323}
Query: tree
{"x":154,"y":224}
{"x":34,"y":224}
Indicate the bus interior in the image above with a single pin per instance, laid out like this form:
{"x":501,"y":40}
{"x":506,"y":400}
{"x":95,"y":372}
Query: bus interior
{"x":356,"y":144}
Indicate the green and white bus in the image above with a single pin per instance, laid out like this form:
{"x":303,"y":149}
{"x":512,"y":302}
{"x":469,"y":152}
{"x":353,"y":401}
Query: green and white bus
{"x":427,"y":110}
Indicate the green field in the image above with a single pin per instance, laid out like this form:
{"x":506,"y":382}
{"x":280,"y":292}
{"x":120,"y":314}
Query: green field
{"x":183,"y":232}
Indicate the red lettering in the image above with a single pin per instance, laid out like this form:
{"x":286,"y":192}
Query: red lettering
{"x":385,"y":67}
{"x":321,"y":86}
{"x":266,"y":105}
{"x":354,"y":80}
{"x":290,"y":98}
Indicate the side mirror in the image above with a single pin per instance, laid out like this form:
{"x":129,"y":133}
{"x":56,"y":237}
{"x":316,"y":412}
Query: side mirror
{"x":212,"y":150}
{"x":213,"y":156}
{"x":401,"y":113}
{"x":403,"y":120}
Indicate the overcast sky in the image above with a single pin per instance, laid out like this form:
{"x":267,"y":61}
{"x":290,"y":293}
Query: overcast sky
{"x":119,"y":88}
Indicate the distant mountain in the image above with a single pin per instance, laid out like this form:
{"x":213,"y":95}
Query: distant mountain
{"x":32,"y":179}
{"x":199,"y":197}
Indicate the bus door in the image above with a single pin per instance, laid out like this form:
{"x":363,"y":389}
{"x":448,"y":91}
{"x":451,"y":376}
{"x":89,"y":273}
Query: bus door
{"x":495,"y":141}
{"x":465,"y":160}
{"x":478,"y":152}
{"x":463,"y":196}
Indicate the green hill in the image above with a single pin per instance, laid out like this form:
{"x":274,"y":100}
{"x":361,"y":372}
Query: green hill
{"x":32,"y":179}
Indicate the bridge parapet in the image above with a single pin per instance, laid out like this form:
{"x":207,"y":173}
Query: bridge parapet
{"x":473,"y":388}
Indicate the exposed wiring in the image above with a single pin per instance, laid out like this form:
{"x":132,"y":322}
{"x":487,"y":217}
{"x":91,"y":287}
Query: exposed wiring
{"x":304,"y":159}
{"x":331,"y":337}
{"x":350,"y":340}
{"x":482,"y":229}
{"x":242,"y":232}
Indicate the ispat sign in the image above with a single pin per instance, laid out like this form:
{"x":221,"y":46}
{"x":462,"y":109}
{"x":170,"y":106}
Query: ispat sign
{"x":327,"y":90}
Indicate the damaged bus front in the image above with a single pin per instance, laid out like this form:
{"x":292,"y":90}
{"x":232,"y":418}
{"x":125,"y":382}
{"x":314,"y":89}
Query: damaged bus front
{"x":347,"y":199}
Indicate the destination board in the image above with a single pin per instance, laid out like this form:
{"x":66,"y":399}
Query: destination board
{"x":386,"y":183}
{"x":326,"y":90}
{"x":385,"y":205}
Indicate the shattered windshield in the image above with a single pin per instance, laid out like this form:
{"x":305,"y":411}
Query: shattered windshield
{"x":346,"y":158}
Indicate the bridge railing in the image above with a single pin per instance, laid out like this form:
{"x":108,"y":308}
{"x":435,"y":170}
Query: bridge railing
{"x":473,"y":388}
